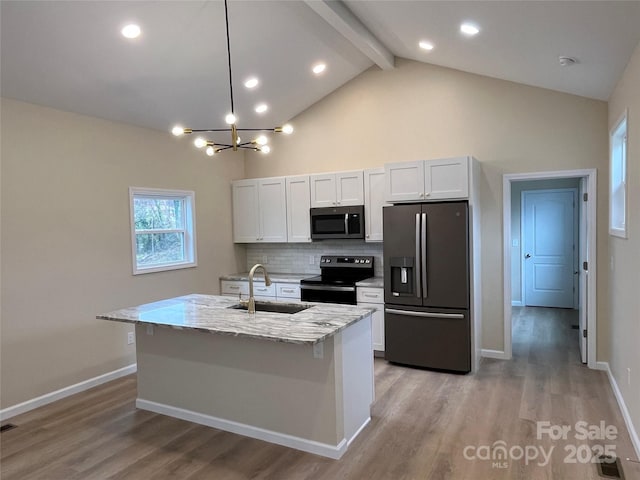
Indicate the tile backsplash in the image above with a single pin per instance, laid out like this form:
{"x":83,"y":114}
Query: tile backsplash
{"x":296,"y":257}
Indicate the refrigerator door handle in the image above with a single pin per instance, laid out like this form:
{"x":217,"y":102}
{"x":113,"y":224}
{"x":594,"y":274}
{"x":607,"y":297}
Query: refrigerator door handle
{"x":423,"y":255}
{"x":416,"y":267}
{"x":423,"y":314}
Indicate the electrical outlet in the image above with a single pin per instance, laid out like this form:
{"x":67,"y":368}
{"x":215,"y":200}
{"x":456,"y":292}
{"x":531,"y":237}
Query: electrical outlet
{"x":265,"y":259}
{"x":311,"y":260}
{"x":131,"y":338}
{"x":628,"y":376}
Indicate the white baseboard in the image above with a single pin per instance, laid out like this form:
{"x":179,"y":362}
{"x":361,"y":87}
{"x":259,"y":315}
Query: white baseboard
{"x":311,"y":446}
{"x":635,"y":440}
{"x":499,"y":354}
{"x":65,"y":392}
{"x":516,"y":303}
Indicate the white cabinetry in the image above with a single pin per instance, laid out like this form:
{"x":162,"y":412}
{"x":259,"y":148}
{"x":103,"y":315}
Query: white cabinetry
{"x":337,"y":189}
{"x":374,"y":199}
{"x":374,"y":298}
{"x":298,"y":204}
{"x":259,"y":210}
{"x":276,"y":291}
{"x":425,"y":180}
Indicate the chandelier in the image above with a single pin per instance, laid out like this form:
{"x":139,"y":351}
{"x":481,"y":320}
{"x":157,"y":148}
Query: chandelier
{"x":258,"y":144}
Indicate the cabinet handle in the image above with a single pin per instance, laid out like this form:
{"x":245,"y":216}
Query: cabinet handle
{"x":367,"y":236}
{"x":334,"y":203}
{"x":233,"y":287}
{"x":422,"y":194}
{"x":288,"y":290}
{"x":338,"y":202}
{"x":371,"y":295}
{"x":427,"y":194}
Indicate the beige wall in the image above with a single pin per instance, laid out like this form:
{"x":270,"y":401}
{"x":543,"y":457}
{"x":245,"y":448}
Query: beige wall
{"x":420,"y":111}
{"x":66,"y":245}
{"x":624,"y":302}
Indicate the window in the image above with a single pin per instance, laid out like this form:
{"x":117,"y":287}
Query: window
{"x":162,"y":229}
{"x":618,"y":179}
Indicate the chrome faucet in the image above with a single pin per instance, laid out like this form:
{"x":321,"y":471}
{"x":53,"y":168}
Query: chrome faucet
{"x":251,"y":305}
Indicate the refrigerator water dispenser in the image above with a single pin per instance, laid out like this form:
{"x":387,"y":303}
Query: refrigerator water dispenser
{"x":403,"y":276}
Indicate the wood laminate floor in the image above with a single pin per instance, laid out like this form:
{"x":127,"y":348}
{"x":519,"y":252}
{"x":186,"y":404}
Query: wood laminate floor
{"x":422,"y":422}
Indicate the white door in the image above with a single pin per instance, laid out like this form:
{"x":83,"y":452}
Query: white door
{"x":298,"y":203}
{"x":446,"y":178}
{"x":549,"y":236}
{"x":582,"y":272}
{"x":245,"y":211}
{"x":323,"y":190}
{"x":273,"y":209}
{"x":404,"y":181}
{"x":349,"y":188}
{"x":373,"y":202}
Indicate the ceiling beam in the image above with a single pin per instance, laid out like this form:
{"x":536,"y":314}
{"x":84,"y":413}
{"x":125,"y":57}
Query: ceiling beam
{"x":336,"y":14}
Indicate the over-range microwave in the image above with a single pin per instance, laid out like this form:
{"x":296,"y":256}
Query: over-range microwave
{"x":337,"y":222}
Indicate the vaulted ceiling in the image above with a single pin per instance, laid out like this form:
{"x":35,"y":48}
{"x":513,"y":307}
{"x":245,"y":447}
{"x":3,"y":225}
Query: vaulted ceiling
{"x":70,"y":55}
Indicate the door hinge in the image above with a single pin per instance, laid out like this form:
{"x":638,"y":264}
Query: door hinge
{"x":585,"y":266}
{"x":584,"y":333}
{"x":585,"y":197}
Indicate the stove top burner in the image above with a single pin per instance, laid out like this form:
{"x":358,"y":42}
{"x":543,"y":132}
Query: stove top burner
{"x":340,"y":270}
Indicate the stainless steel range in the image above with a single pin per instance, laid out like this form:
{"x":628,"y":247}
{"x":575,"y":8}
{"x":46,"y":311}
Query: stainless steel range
{"x":337,"y":280}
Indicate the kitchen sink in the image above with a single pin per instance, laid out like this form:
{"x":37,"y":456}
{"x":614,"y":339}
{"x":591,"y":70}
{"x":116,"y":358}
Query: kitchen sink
{"x":273,"y":307}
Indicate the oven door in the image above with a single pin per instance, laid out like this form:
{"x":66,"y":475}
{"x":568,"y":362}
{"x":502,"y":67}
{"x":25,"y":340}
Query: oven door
{"x":328,"y":294}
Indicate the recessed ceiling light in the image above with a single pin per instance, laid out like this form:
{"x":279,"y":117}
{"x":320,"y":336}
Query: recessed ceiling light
{"x":318,"y":68}
{"x":425,"y":45}
{"x":469,"y":29}
{"x":261,"y":108}
{"x":131,"y":31}
{"x":251,"y":82}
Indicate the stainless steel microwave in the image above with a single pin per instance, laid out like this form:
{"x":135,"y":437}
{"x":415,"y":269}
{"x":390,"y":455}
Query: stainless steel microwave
{"x":337,"y":222}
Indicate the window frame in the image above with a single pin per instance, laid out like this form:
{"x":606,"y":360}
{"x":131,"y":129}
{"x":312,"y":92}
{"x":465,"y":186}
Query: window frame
{"x":189,"y":214}
{"x":616,"y":138}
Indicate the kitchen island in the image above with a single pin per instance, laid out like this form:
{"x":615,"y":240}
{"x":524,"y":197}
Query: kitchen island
{"x":303,"y":380}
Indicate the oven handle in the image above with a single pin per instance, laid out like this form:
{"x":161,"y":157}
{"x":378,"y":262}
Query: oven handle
{"x":423,"y":314}
{"x":346,"y":223}
{"x":327,"y":288}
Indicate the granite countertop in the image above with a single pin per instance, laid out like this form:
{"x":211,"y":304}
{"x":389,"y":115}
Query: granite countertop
{"x":210,"y":314}
{"x":374,"y":282}
{"x":275,"y":277}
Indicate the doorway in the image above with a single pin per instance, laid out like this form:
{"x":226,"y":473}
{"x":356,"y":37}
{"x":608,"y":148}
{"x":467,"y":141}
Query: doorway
{"x":558,"y":267}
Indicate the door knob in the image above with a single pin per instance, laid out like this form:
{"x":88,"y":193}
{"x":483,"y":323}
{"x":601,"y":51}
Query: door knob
{"x":527,"y":256}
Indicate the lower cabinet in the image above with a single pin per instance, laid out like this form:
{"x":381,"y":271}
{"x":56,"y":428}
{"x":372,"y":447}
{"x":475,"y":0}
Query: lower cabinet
{"x":276,"y":291}
{"x":374,"y":298}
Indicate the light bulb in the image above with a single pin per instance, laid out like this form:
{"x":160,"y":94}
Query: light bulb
{"x":425,"y":45}
{"x":469,"y":29}
{"x":200,"y":142}
{"x":261,"y":108}
{"x":238,"y":140}
{"x":177,"y":130}
{"x":287,"y":129}
{"x":230,"y":118}
{"x":131,"y":31}
{"x":265,"y":149}
{"x":210,"y":151}
{"x":319,"y":68}
{"x":251,"y":82}
{"x":262,"y":140}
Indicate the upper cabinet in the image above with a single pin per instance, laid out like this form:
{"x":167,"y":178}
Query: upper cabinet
{"x":298,"y":204}
{"x":259,"y":210}
{"x":337,"y":189}
{"x":425,"y":180}
{"x":374,"y":199}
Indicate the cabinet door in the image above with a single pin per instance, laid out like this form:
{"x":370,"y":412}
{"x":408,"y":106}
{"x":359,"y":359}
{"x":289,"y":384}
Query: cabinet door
{"x":377,"y":326}
{"x":273,"y":210}
{"x":404,"y":181}
{"x":349,"y":188}
{"x":298,"y":204}
{"x":373,"y":202}
{"x":245,"y":211}
{"x":323,"y":190}
{"x":446,"y":178}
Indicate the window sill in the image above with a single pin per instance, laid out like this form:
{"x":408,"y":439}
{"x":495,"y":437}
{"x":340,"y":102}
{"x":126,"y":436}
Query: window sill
{"x":618,"y":232}
{"x":164,"y":268}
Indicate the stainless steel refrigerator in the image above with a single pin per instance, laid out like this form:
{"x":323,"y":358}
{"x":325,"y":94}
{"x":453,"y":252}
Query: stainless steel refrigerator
{"x":426,"y":285}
